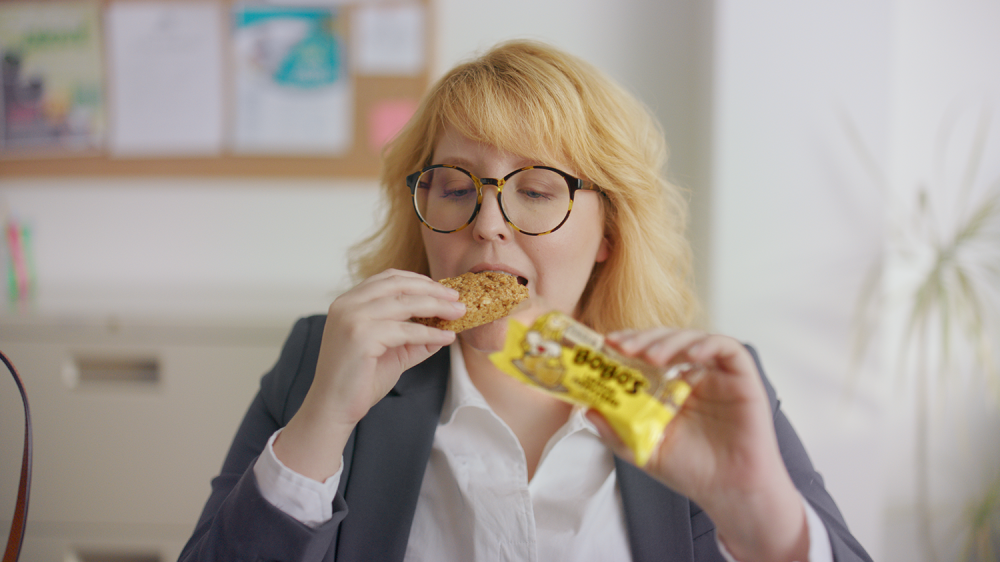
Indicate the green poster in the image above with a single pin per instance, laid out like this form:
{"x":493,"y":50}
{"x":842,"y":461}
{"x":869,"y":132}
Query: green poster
{"x":52,"y":76}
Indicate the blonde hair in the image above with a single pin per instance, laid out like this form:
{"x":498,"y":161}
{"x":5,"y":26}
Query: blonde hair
{"x":535,"y":101}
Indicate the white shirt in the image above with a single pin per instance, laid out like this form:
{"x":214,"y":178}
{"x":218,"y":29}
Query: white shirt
{"x":476,"y":502}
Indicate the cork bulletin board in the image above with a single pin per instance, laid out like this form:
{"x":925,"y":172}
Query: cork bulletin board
{"x":208,"y":87}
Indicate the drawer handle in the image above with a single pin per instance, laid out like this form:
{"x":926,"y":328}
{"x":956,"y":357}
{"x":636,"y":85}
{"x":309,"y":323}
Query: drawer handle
{"x":110,"y":369}
{"x":101,"y":556}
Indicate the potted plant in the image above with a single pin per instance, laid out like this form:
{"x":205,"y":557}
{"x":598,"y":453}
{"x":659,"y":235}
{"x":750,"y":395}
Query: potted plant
{"x":950,"y":237}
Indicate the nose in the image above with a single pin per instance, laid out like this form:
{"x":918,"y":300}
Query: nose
{"x":489,"y":223}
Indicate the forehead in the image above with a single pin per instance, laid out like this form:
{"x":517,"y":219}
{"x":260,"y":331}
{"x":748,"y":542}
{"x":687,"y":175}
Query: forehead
{"x":455,"y":148}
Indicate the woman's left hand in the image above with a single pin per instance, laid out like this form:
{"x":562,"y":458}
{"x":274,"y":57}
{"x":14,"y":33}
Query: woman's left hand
{"x":721,"y":450}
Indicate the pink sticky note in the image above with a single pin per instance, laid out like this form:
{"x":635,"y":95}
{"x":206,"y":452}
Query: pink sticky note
{"x":388,"y":118}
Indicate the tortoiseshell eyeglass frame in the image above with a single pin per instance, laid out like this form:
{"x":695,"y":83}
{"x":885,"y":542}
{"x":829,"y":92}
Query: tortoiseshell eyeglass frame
{"x":575,"y":184}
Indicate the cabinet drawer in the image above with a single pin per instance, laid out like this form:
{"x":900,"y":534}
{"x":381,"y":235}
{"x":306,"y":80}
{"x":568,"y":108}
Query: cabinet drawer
{"x":128,"y":453}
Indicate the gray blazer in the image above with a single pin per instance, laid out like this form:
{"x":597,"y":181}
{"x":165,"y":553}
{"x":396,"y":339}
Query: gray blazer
{"x":384,"y":464}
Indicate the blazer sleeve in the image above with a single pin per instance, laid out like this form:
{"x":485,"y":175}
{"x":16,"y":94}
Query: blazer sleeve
{"x":237,"y":523}
{"x":809,"y":482}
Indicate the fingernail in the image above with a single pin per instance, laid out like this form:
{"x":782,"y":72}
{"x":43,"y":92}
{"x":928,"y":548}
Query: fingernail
{"x":620,"y":337}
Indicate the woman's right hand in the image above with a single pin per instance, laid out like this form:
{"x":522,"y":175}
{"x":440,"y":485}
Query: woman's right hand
{"x":368,"y":342}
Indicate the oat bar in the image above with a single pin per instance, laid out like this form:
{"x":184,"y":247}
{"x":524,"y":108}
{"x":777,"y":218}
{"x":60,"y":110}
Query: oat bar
{"x":488,"y":295}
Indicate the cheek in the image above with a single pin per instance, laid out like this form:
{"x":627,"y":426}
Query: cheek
{"x":566,"y":260}
{"x":436,"y":248}
{"x":564,"y":269}
{"x":575,"y":251}
{"x":445,"y":252}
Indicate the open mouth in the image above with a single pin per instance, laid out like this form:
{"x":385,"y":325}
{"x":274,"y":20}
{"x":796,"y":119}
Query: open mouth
{"x":523,"y":281}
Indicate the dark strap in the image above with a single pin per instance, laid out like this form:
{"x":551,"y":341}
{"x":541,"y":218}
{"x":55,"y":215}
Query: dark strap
{"x":21,"y":509}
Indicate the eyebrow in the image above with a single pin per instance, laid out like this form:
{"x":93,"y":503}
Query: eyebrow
{"x":464,"y":163}
{"x":469,"y":165}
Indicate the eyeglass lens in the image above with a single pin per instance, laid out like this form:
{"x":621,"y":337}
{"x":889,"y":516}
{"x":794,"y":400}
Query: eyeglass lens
{"x":535,"y":200}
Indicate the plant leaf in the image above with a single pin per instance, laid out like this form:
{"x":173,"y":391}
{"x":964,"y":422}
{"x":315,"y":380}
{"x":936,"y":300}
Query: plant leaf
{"x":868,"y":161}
{"x":975,"y":156}
{"x":867,"y":305}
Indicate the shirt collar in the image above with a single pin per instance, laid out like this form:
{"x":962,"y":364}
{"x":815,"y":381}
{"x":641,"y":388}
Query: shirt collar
{"x":579,"y":422}
{"x":461,"y":393}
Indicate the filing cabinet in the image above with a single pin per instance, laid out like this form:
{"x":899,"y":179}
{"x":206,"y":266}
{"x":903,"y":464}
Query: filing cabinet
{"x":131,"y":419}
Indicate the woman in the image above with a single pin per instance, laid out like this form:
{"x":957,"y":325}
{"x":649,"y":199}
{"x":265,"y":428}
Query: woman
{"x":376,"y":438}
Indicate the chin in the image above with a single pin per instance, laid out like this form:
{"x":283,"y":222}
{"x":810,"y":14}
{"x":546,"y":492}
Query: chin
{"x":486,"y":338}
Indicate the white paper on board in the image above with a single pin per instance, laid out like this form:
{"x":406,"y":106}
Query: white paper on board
{"x":389,"y":39}
{"x":166,"y":78}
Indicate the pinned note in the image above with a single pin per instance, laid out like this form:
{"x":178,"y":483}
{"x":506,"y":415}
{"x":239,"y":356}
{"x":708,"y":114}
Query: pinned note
{"x":167,"y":62}
{"x":387,"y":118}
{"x":52,"y":79}
{"x":293,"y":92}
{"x":388,"y":40}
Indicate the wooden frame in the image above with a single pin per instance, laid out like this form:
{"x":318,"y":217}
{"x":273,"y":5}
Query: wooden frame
{"x":361,"y":161}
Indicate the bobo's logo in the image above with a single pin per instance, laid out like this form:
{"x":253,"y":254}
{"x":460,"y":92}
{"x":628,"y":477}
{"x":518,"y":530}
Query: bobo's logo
{"x":630,"y":380}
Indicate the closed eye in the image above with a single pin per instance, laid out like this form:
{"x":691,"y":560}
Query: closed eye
{"x":455,"y":193}
{"x":537,"y":195}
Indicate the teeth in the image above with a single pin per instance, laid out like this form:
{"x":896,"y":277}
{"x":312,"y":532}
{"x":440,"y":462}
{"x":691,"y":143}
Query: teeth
{"x":520,"y":280}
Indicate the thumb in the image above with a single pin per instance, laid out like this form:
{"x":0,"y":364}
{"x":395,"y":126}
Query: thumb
{"x":609,"y":436}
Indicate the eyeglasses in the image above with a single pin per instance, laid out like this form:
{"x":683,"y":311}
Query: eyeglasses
{"x":534,"y":200}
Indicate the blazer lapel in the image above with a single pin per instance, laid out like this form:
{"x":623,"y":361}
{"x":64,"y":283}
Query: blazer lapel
{"x":386,"y":468}
{"x":657,"y":518}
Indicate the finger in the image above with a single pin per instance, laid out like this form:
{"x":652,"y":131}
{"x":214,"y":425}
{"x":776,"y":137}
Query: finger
{"x":633,"y":341}
{"x":392,"y":272}
{"x":394,"y":282}
{"x":725,"y":354}
{"x":619,"y":335}
{"x":415,"y":283}
{"x":659,"y":346}
{"x":670,"y":349}
{"x":406,"y":306}
{"x":382,"y":336}
{"x":411,"y":333}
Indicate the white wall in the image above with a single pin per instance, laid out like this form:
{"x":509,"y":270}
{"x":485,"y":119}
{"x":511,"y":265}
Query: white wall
{"x":796,"y":222}
{"x":946,"y":82}
{"x":799,"y":220}
{"x":190,"y":248}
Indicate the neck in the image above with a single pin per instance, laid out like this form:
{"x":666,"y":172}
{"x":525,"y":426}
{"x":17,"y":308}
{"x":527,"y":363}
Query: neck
{"x":532,"y":415}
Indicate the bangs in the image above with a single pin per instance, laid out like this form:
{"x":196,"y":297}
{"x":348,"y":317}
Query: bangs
{"x":532,"y":112}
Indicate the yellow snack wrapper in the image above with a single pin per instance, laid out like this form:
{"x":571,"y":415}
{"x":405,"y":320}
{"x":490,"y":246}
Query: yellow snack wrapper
{"x":570,"y":361}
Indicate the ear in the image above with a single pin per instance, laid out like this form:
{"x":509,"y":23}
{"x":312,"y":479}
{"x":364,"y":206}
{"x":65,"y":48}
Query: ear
{"x":603,"y":251}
